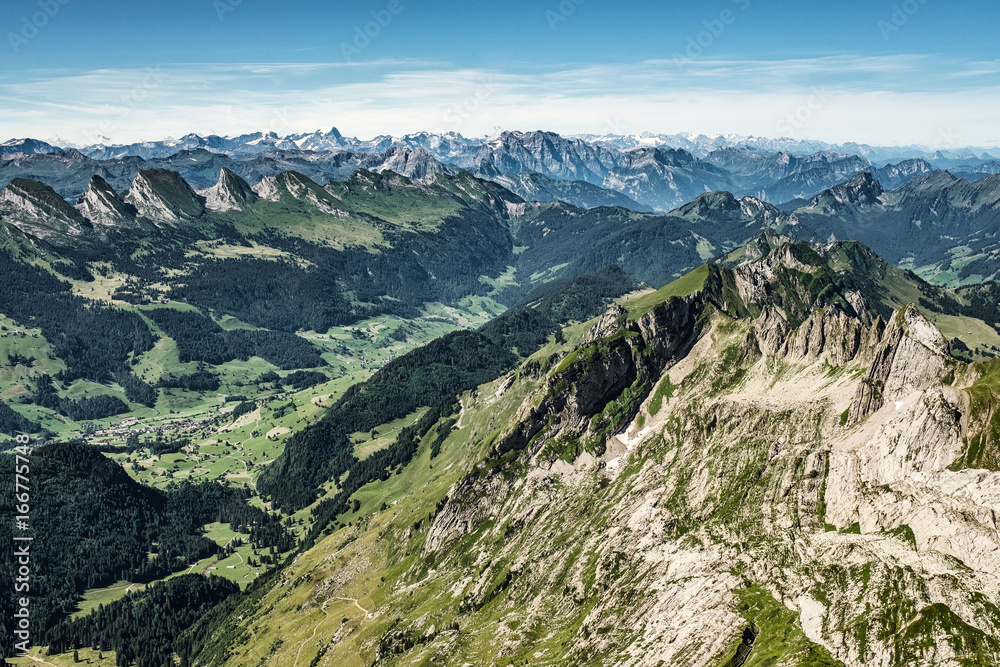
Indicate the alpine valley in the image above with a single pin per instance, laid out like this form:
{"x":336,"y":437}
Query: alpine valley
{"x":657,"y":400}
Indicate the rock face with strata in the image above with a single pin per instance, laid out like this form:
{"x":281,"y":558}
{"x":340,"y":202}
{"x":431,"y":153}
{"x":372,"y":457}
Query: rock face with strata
{"x":36,"y":209}
{"x":585,"y":383}
{"x":164,"y":197}
{"x":231,"y":193}
{"x":101,"y":205}
{"x":299,"y":187}
{"x":828,"y":334}
{"x":911,"y":355}
{"x":859,"y":529}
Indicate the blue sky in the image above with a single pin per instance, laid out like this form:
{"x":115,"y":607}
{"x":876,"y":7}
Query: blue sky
{"x":894,"y":72}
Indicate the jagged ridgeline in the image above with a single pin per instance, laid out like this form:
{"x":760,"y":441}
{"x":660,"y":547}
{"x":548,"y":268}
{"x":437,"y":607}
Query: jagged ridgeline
{"x":773,"y":460}
{"x":285,"y":259}
{"x":777,"y":439}
{"x":648,"y":172}
{"x":288,"y":254}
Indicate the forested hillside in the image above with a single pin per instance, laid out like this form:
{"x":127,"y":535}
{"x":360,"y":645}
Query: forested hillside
{"x":93,"y":525}
{"x":432,"y":375}
{"x":233,"y":375}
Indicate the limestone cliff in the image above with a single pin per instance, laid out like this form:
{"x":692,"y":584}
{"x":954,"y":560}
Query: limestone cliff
{"x":714,"y":497}
{"x":762,"y":466}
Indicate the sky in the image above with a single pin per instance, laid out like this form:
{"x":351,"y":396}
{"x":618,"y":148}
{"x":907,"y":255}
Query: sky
{"x":894,"y":72}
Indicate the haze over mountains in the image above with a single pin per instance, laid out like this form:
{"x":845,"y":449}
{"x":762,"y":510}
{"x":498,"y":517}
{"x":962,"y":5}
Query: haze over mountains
{"x":818,"y":194}
{"x":531,"y":399}
{"x":647,"y":172}
{"x":453,"y":144}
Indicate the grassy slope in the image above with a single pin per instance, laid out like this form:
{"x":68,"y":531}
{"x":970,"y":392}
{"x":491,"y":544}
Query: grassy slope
{"x":302,"y":220}
{"x":233,"y":451}
{"x":301,"y":621}
{"x":414,"y":207}
{"x":972,"y":331}
{"x":395,"y":579}
{"x":377,"y":559}
{"x":683,"y":286}
{"x":780,"y":639}
{"x":982,"y":449}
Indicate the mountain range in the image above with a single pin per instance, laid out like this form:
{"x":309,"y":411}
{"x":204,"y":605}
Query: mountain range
{"x":531,"y":400}
{"x":651,"y":175}
{"x":452,"y":145}
{"x":947,"y":222}
{"x":774,"y":459}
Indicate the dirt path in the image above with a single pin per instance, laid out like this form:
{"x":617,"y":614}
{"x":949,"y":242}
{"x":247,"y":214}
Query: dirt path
{"x":242,"y":459}
{"x":246,"y":469}
{"x":367,"y":615}
{"x":311,"y":637}
{"x":364,"y":611}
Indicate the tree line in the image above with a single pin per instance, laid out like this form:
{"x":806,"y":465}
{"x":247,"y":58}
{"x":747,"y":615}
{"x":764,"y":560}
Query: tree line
{"x":94,"y":525}
{"x":429,"y":375}
{"x":142,"y":626}
{"x":198,"y":338}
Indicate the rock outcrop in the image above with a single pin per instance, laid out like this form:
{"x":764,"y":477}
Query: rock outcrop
{"x":231,"y":193}
{"x":101,"y":205}
{"x":859,"y":192}
{"x":911,"y":355}
{"x":619,"y":367}
{"x":164,"y":197}
{"x":828,"y":334}
{"x":37,"y":209}
{"x":299,"y":187}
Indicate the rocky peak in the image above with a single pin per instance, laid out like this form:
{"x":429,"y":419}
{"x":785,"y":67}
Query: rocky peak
{"x":791,"y":276}
{"x":986,"y":192}
{"x":102,"y":205}
{"x":230,"y":193}
{"x":753,"y":207}
{"x":295,"y":183}
{"x":828,"y":334}
{"x":268,"y":189}
{"x":164,"y":196}
{"x":37,"y":209}
{"x":546,"y":153}
{"x":26,"y":147}
{"x":297,"y":186}
{"x":412,"y":163}
{"x":321,"y":141}
{"x":861,"y":191}
{"x":936,"y":180}
{"x":608,"y":324}
{"x":365,"y":180}
{"x":718,"y":207}
{"x":711,"y":203}
{"x":911,"y":355}
{"x":910,"y":168}
{"x":617,"y":354}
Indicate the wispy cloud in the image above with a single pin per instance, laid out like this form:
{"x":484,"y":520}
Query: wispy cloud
{"x":896,"y":100}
